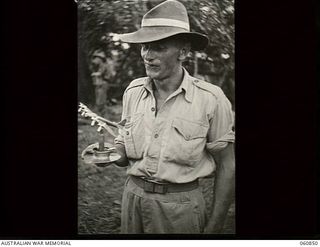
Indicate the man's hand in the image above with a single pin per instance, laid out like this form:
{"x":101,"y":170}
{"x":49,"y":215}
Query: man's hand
{"x":123,"y":161}
{"x":103,"y":164}
{"x":117,"y":149}
{"x":223,"y":189}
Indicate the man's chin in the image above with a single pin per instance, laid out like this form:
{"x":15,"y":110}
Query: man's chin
{"x":152,"y":75}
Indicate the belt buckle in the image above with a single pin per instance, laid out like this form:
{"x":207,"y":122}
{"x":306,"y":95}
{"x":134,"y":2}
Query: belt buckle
{"x":155,"y":187}
{"x":148,"y":186}
{"x":160,"y":188}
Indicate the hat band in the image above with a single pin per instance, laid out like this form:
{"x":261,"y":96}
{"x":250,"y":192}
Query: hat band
{"x":152,"y":22}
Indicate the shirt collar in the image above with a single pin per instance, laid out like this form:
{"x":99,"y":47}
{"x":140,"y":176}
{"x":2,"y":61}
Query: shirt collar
{"x":186,"y":85}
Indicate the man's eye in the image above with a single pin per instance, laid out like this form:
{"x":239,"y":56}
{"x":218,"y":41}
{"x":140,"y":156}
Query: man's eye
{"x":159,"y":47}
{"x":152,"y":47}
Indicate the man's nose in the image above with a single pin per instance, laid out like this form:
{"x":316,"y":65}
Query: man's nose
{"x":148,"y":54}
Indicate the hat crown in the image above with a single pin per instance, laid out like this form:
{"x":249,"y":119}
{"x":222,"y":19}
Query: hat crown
{"x":169,"y":13}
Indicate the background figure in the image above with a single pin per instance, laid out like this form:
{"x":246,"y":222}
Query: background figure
{"x":102,"y":73}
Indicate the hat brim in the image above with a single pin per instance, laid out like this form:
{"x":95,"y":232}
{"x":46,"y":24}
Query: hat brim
{"x":150,"y":34}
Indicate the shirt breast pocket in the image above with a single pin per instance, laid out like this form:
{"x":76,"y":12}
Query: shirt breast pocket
{"x":134,"y":138}
{"x":186,"y":142}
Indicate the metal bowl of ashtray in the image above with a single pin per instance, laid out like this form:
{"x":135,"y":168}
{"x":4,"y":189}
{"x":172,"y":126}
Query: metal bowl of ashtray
{"x":100,"y":156}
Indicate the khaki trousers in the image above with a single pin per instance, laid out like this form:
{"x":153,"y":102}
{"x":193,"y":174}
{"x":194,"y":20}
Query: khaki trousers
{"x":145,"y":212}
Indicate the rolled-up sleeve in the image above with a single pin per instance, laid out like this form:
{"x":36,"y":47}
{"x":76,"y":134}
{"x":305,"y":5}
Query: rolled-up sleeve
{"x":221,"y":126}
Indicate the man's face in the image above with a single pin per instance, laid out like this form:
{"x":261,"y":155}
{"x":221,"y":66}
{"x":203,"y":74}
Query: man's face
{"x":161,"y":58}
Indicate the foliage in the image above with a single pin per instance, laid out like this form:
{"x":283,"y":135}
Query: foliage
{"x":99,"y":22}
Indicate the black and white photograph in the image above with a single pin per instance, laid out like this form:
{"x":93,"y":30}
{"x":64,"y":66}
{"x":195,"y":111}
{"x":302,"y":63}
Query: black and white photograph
{"x":156,"y":129}
{"x":159,"y":119}
{"x":156,"y":117}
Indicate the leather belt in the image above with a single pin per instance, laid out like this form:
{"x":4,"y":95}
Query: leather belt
{"x":162,"y":188}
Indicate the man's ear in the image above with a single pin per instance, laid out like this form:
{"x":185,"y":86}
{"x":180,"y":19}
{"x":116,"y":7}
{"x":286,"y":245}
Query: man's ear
{"x":184,"y":51}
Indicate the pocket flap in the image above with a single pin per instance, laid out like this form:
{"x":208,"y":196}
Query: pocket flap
{"x":189,"y":130}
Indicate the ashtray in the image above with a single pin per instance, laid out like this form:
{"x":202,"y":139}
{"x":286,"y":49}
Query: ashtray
{"x":93,"y":155}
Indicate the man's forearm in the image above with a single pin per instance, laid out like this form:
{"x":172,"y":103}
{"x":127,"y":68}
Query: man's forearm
{"x":224,"y":188}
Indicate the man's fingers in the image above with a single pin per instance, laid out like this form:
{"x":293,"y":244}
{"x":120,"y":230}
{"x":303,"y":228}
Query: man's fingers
{"x":103,"y":164}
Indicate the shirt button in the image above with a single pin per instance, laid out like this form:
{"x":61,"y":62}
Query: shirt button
{"x":156,"y":136}
{"x":153,"y":109}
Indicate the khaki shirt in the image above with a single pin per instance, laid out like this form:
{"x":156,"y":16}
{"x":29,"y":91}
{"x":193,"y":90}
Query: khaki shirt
{"x":177,"y":143}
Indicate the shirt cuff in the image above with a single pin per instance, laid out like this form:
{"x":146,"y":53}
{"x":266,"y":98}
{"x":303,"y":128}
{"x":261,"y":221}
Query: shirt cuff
{"x":221,"y":143}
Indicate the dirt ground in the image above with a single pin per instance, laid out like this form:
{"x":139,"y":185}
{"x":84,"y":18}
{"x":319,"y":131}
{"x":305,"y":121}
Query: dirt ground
{"x":100,"y":189}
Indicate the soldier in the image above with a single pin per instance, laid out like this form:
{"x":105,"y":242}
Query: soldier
{"x":178,"y":129}
{"x":102,"y":73}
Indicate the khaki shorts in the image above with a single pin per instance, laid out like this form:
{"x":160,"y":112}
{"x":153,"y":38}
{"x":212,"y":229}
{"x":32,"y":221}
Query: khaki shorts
{"x":145,"y":212}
